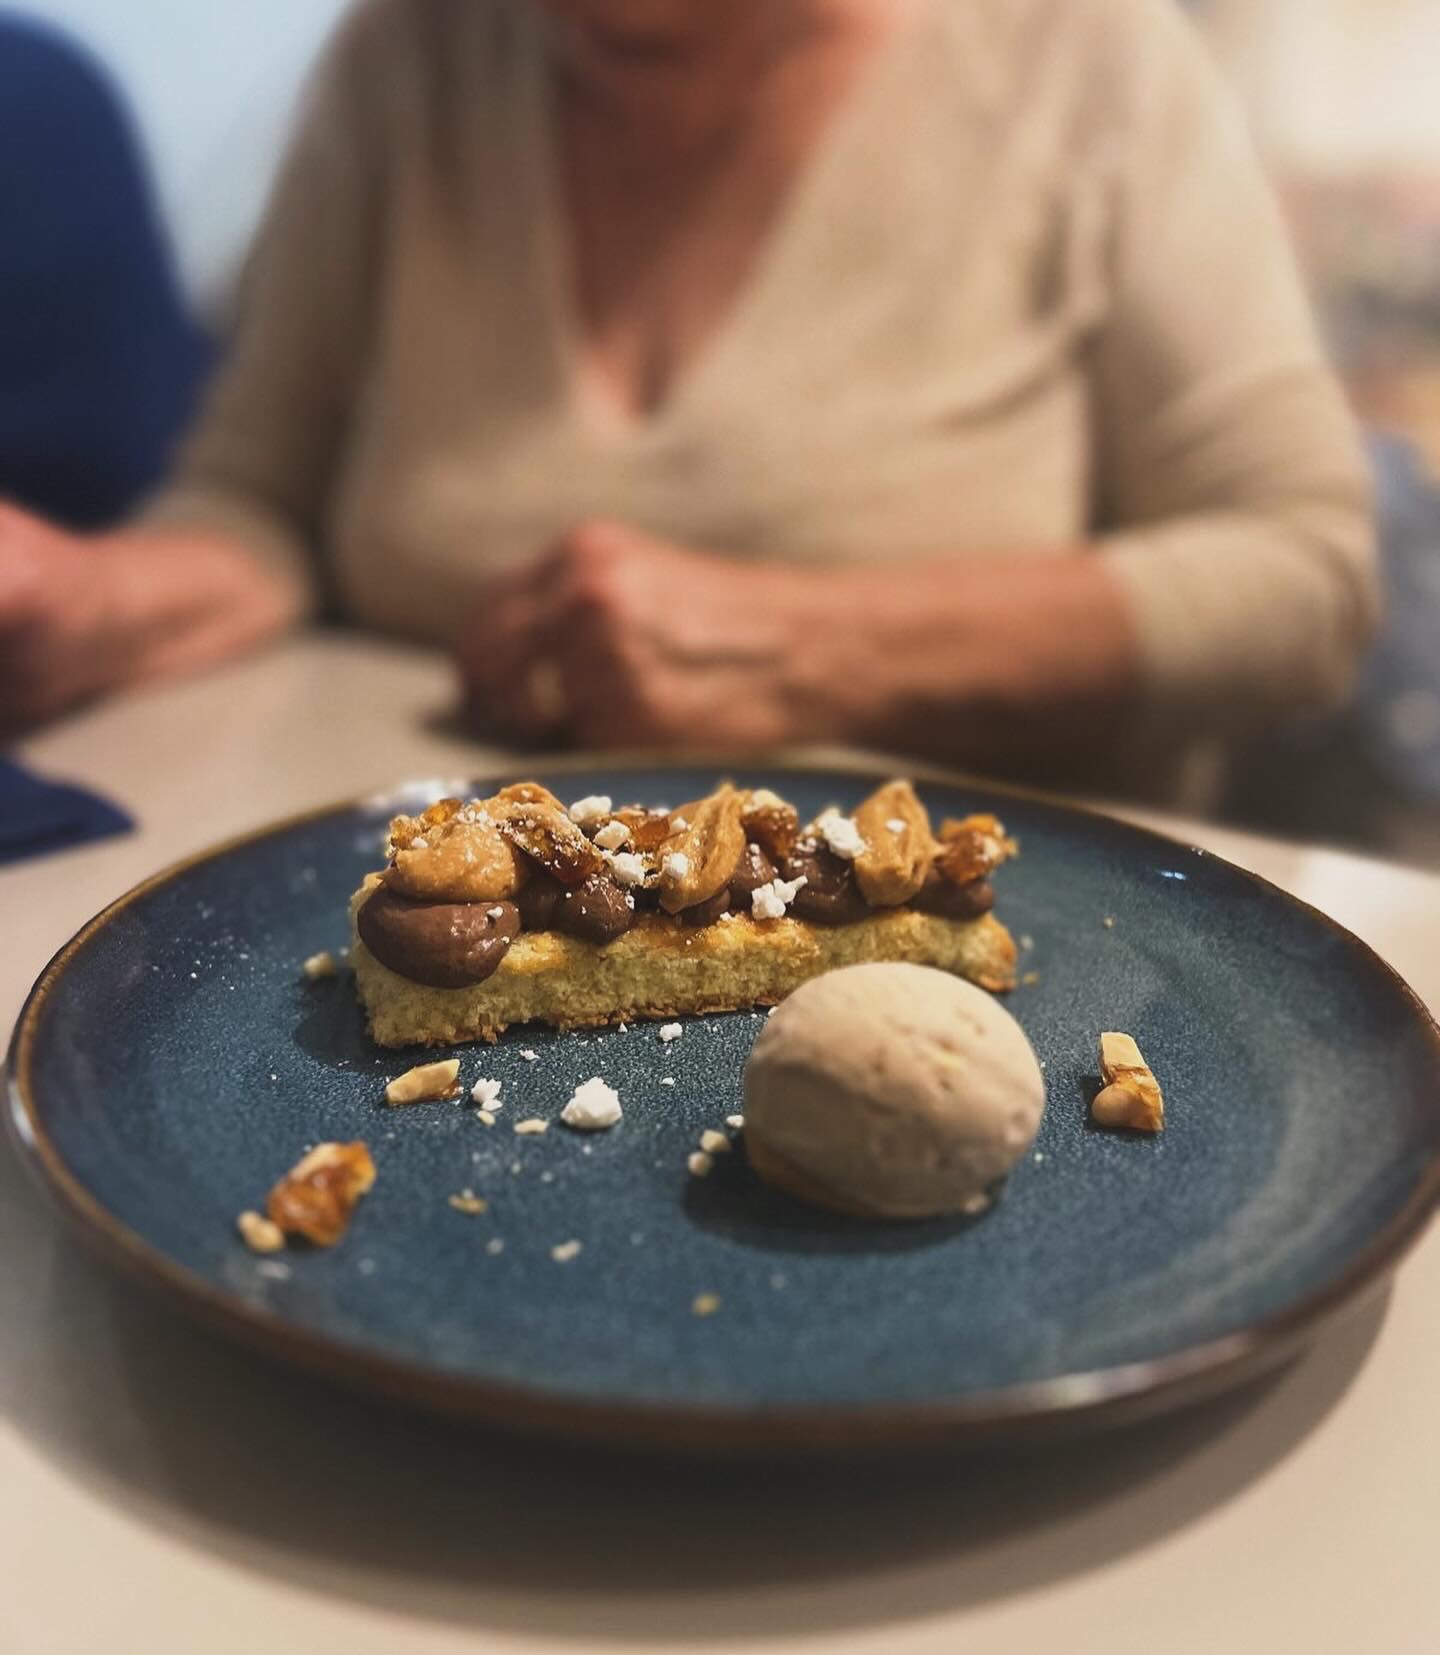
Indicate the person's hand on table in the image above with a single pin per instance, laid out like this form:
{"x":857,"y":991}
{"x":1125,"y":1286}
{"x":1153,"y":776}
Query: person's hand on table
{"x":57,"y":645}
{"x":83,"y":614}
{"x":618,"y":639}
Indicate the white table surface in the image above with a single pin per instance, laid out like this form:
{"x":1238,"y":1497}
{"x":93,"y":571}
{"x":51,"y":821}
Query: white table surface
{"x":161,"y":1492}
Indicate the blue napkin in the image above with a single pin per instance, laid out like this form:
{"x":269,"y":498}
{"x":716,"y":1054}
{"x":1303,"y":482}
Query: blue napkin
{"x":38,"y":816}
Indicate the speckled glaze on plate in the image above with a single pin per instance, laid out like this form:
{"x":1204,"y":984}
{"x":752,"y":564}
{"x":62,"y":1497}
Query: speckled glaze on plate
{"x":172,"y":1062}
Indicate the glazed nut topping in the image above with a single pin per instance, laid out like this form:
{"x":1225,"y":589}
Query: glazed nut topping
{"x":528,"y":793}
{"x":898,"y":845}
{"x":700,"y":859}
{"x":453,"y":853}
{"x":317,"y":1197}
{"x":647,"y":829}
{"x":972,"y":849}
{"x":1131,"y":1097}
{"x":771,"y":823}
{"x":543,"y":830}
{"x":429,"y":1083}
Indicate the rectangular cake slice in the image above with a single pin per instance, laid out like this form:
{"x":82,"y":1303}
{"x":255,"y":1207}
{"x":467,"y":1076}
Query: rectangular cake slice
{"x":514,"y":910}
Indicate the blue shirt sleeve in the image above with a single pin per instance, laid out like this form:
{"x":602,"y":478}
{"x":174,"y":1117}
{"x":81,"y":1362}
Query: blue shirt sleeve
{"x":100,"y":362}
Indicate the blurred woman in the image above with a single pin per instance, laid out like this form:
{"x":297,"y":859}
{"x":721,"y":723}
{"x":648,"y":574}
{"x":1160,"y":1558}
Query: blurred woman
{"x":931,"y":374}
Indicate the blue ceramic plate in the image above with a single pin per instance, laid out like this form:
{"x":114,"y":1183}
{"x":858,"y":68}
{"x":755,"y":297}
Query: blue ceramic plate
{"x":172,"y":1062}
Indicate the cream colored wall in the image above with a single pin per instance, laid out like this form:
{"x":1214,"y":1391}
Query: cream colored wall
{"x":1339,"y":85}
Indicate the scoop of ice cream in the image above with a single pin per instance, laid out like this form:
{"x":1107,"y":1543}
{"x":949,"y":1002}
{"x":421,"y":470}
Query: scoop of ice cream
{"x":891,"y":1091}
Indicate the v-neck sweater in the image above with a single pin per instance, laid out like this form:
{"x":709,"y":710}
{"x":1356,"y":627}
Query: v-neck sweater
{"x":1030,"y":292}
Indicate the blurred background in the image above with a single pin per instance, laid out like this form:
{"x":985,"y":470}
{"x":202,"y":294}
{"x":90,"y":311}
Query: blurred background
{"x":1341,"y":95}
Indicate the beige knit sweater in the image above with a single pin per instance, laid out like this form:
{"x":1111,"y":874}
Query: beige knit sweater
{"x":1031,"y":292}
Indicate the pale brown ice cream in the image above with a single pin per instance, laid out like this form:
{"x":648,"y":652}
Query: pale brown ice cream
{"x":891,"y":1091}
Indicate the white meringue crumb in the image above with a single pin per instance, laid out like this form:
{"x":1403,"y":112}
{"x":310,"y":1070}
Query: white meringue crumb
{"x":495,"y":1245}
{"x":670,"y":1031}
{"x":317,"y":966}
{"x":565,"y":1252}
{"x":841,"y":833}
{"x":531,"y":1128}
{"x":485,"y":1117}
{"x":667,"y":1080}
{"x":584,"y":812}
{"x":676,"y":865}
{"x":486,"y":1093}
{"x":736,"y":1123}
{"x":613,"y":836}
{"x":594,"y":1107}
{"x":529,"y":1056}
{"x":628,"y":868}
{"x":714,"y":1143}
{"x":700,"y":1163}
{"x":770,"y":901}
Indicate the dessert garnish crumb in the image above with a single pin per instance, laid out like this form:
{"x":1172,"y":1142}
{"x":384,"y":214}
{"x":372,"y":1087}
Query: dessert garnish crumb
{"x":700,"y":1163}
{"x":587,"y":811}
{"x":1131,"y":1096}
{"x":427,"y":1083}
{"x":486,"y":1117}
{"x":529,"y":1056}
{"x":670,"y":1031}
{"x":259,"y":1234}
{"x":468,"y":1202}
{"x":593,"y":1107}
{"x":613,"y":836}
{"x":565,"y":1252}
{"x":770,"y":901}
{"x":531,"y":1128}
{"x":705,"y":1304}
{"x":736,"y":1123}
{"x":714,"y":1143}
{"x":486,"y":1093}
{"x":318,"y":1196}
{"x":496,"y":1244}
{"x":667,"y":1080}
{"x":319,"y":965}
{"x":841,"y":834}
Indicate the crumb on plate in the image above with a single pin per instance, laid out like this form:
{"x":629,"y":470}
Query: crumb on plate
{"x":426,"y":1083}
